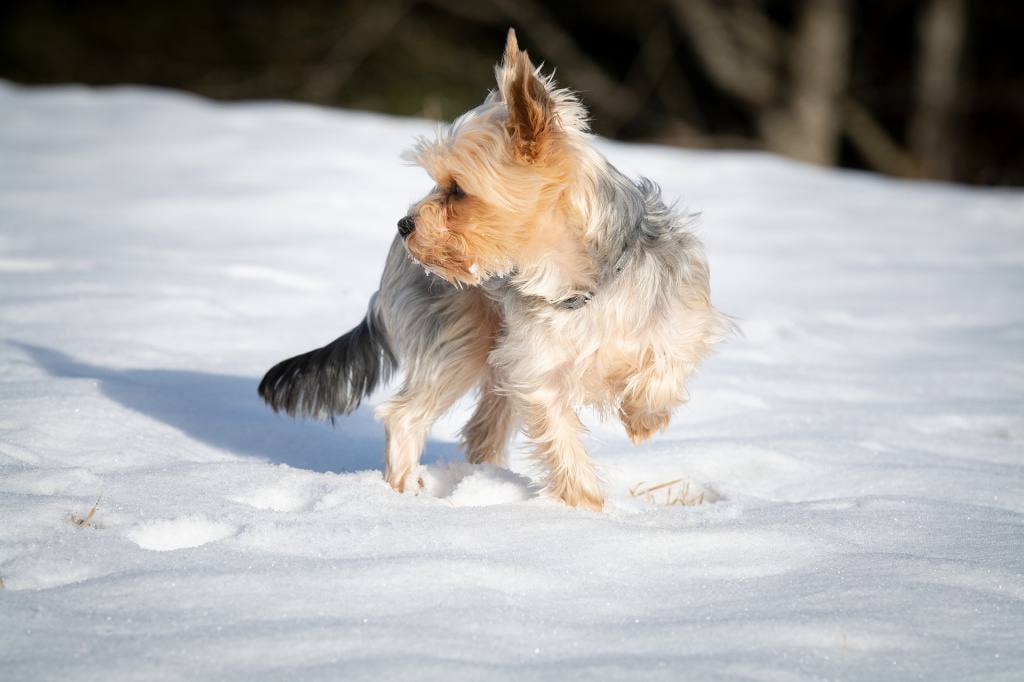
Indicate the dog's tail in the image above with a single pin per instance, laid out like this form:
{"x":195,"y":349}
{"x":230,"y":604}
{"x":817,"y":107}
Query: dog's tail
{"x":334,"y":379}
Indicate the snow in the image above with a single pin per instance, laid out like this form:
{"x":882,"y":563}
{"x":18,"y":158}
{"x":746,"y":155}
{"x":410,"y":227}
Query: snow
{"x":849,"y":476}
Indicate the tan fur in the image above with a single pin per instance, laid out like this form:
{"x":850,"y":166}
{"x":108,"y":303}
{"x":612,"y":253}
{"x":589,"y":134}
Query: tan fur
{"x":534,"y":224}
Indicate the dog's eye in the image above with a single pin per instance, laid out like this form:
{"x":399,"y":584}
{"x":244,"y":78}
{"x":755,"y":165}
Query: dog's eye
{"x":456,"y":191}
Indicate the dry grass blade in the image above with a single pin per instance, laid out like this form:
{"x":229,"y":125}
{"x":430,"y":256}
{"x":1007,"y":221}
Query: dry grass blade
{"x":86,"y":521}
{"x":673,"y":496}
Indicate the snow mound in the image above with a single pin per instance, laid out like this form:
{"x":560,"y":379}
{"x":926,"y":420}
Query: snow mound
{"x":170,"y":534}
{"x":476,"y":485}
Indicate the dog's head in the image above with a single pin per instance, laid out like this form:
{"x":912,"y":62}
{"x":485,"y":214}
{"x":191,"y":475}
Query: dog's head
{"x":501,"y":174}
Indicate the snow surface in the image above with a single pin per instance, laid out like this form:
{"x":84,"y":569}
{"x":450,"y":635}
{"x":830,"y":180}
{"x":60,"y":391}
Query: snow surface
{"x":859,"y":453}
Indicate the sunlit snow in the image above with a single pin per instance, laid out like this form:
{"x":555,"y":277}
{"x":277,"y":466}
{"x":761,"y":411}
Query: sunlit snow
{"x":850,"y":474}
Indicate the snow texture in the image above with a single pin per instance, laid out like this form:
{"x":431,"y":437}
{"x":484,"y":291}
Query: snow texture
{"x":852,"y":467}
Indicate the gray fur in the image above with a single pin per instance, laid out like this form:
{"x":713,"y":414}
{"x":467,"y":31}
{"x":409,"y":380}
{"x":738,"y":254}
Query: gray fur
{"x":334,"y":379}
{"x":417,"y":309}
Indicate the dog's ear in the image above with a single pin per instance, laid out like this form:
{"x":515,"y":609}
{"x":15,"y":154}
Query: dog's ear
{"x":530,"y":106}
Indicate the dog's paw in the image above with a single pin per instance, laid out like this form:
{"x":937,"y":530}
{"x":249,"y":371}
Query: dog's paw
{"x":642,"y":425}
{"x":594,"y":501}
{"x":406,"y":482}
{"x":578,"y":491}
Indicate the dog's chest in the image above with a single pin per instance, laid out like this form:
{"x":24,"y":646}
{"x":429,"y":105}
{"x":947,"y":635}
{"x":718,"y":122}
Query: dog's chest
{"x":595,"y":353}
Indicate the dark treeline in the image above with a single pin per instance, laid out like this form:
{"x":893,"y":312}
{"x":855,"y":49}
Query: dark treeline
{"x":925,"y":88}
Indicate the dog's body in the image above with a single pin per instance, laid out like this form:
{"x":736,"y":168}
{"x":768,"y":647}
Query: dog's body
{"x":559,"y":283}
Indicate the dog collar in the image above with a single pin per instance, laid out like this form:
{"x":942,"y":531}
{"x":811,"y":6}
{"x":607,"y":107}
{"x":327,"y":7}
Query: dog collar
{"x":575,"y":302}
{"x":607,"y":277}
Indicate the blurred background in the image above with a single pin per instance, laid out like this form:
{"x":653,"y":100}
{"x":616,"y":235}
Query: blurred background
{"x":922,"y":88}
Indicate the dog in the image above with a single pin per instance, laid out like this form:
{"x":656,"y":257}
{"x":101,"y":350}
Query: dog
{"x":552,"y":281}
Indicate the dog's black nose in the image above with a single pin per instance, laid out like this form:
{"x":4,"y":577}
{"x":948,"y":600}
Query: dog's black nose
{"x":406,"y":226}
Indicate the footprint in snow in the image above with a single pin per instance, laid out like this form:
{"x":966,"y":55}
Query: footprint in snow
{"x":475,"y":485}
{"x":165,"y":535}
{"x":280,"y":498}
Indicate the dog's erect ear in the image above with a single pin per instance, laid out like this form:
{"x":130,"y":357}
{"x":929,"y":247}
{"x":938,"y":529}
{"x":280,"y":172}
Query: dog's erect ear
{"x":530,"y":106}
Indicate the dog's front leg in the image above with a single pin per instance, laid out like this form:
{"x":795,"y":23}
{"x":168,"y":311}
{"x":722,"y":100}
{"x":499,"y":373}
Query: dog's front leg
{"x":554,"y":427}
{"x":650,"y":397}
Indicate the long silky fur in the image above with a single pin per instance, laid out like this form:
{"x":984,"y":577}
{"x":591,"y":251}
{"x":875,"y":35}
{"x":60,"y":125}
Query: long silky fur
{"x":540,"y":217}
{"x":334,"y":379}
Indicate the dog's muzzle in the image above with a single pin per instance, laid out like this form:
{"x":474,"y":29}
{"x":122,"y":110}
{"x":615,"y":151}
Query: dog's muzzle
{"x":406,"y":226}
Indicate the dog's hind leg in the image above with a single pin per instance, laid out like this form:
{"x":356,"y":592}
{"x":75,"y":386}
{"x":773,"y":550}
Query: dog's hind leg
{"x":428,"y":392}
{"x":443,"y":368}
{"x":485,"y":437}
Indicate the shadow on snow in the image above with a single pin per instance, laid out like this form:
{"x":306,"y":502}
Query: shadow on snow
{"x":225,"y":412}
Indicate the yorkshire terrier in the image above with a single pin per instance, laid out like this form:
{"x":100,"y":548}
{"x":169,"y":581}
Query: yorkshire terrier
{"x":553,"y":281}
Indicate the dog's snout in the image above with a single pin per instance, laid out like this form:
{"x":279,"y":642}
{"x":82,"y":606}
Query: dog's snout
{"x":406,"y":226}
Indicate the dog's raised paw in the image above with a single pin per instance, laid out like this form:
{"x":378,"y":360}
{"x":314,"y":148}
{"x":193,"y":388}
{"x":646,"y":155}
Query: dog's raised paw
{"x":641,"y":426}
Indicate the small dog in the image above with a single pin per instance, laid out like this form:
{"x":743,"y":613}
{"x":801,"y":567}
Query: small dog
{"x":559,"y":282}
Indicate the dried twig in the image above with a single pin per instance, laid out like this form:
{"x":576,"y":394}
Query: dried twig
{"x":672,"y":497}
{"x":85,"y":521}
